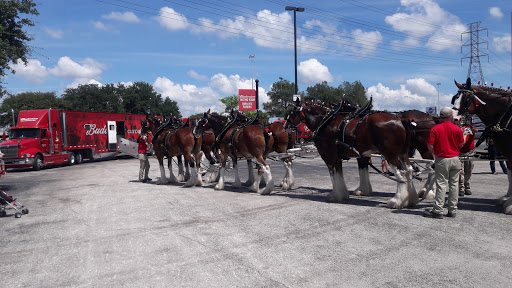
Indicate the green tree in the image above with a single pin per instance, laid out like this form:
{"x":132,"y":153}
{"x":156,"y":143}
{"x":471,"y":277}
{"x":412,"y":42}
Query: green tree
{"x":230,"y":102}
{"x":262,"y":115}
{"x":354,"y":92}
{"x":93,"y":98}
{"x":13,"y":39}
{"x":281,"y":97}
{"x":27,"y":101}
{"x":140,"y":96}
{"x":324,"y":93}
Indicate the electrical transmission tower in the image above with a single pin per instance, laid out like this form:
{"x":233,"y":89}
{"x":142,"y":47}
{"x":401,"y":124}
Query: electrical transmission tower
{"x":475,"y":69}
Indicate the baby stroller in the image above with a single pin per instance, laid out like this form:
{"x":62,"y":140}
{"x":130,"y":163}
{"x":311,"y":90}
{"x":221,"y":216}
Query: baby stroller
{"x":7,"y":201}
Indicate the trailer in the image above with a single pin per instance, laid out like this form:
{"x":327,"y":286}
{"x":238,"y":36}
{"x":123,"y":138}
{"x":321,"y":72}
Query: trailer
{"x":47,"y":137}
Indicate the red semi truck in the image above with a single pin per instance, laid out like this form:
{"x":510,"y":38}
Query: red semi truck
{"x":48,"y":137}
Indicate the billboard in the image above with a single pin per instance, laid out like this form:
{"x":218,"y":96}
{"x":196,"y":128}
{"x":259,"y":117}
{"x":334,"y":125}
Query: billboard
{"x":246,"y":99}
{"x":431,"y":110}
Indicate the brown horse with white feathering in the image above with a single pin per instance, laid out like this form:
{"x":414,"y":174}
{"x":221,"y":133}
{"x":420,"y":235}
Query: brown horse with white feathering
{"x":494,"y":107}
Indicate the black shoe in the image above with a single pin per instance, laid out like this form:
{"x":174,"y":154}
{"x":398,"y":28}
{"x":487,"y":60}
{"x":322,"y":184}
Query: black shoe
{"x":148,"y":179}
{"x":451,"y":214}
{"x":430,"y":214}
{"x":461,"y":194}
{"x":144,"y":181}
{"x":468,"y":192}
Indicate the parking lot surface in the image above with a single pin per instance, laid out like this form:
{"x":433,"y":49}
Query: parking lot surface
{"x":95,"y":225}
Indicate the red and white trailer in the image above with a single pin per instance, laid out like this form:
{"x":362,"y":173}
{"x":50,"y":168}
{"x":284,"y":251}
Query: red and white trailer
{"x":48,"y":137}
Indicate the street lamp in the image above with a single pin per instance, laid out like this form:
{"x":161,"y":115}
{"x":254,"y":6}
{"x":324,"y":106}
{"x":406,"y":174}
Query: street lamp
{"x":295,"y":10}
{"x":252,"y":71}
{"x":438,"y":83}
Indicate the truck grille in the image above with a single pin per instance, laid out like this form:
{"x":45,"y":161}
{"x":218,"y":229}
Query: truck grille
{"x":10,"y":151}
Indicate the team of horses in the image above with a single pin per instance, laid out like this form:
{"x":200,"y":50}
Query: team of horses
{"x":340,"y":133}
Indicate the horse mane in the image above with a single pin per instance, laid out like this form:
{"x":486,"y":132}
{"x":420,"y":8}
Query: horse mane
{"x":499,"y":91}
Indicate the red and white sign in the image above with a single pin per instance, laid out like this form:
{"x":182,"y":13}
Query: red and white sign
{"x":246,"y":99}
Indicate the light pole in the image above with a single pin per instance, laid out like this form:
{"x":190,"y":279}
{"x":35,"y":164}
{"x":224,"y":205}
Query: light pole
{"x":252,"y":71}
{"x":295,"y":10}
{"x":438,"y":83}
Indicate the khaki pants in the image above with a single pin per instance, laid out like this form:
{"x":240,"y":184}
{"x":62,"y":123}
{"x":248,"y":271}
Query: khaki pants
{"x":466,"y":168}
{"x":144,"y":167}
{"x":447,"y":172}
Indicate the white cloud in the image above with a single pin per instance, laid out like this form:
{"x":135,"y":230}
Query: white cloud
{"x":57,"y":34}
{"x":125,"y":17}
{"x":496,"y":12}
{"x":313,"y":72}
{"x":502,"y":44}
{"x":367,"y":41}
{"x":83,"y":81}
{"x":87,"y":68}
{"x":415,"y":26}
{"x":34,"y":72}
{"x":190,"y":98}
{"x":414,"y":94}
{"x":172,"y":20}
{"x":193,"y":99}
{"x":100,"y":26}
{"x":197,"y":76}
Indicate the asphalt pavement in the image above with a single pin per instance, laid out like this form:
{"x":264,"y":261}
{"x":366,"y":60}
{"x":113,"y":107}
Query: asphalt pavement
{"x":95,"y":225}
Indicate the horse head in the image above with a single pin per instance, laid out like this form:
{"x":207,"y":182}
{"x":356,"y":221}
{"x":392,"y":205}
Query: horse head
{"x":294,"y":116}
{"x":464,"y":101}
{"x":144,"y":127}
{"x":202,"y":124}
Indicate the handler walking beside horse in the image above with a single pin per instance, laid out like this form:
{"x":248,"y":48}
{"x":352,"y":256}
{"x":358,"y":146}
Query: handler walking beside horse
{"x":446,"y":139}
{"x":143,"y":157}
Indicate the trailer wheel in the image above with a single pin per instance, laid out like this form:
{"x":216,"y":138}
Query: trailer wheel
{"x":3,"y":213}
{"x":79,"y":158}
{"x":71,"y":159}
{"x":38,"y":163}
{"x":24,"y":211}
{"x":17,"y":215}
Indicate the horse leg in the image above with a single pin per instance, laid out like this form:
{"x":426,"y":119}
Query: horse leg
{"x":192,"y":177}
{"x":222,"y":170}
{"x":182,"y":176}
{"x":250,"y":172}
{"x":163,"y":179}
{"x":172,"y":178}
{"x":199,"y":179}
{"x":237,"y":183}
{"x":365,"y":187}
{"x":507,"y":199}
{"x":339,"y":191}
{"x":264,"y":171}
{"x":288,"y":177}
{"x":427,"y":192}
{"x":405,"y":195}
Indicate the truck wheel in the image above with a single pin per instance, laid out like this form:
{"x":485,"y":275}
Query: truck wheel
{"x":71,"y":159}
{"x":79,"y":158}
{"x":38,"y":163}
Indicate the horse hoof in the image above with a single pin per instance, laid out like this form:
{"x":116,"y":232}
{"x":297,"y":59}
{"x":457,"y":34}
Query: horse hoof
{"x":285,"y":186}
{"x":358,"y":193}
{"x":393,"y":204}
{"x":508,"y":210}
{"x":502,"y":200}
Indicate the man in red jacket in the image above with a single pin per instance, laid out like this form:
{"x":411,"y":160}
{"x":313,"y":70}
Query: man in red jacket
{"x":445,"y":140}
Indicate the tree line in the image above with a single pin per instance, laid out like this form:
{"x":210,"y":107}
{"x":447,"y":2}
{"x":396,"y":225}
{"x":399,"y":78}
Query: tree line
{"x":110,"y":98}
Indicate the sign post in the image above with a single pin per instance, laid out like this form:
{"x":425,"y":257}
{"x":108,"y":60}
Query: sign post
{"x":246,"y":100}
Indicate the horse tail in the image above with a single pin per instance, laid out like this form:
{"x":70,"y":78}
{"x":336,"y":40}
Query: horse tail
{"x":408,"y":149}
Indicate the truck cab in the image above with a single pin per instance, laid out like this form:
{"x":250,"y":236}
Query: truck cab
{"x":35,"y":141}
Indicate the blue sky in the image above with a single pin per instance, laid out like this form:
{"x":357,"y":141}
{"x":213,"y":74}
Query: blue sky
{"x":196,"y":52}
